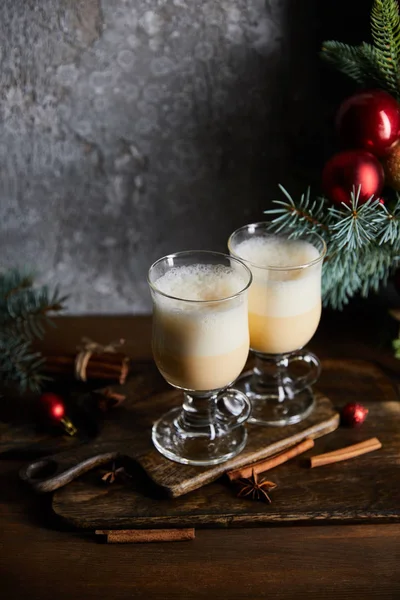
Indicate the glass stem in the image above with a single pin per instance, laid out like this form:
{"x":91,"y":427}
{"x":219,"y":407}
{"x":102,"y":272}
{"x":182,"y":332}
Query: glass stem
{"x":198,"y":411}
{"x":269,"y":375}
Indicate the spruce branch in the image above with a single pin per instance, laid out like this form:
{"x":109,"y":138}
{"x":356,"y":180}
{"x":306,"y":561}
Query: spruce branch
{"x":345,"y":58}
{"x":14,"y":281}
{"x":18,"y":364}
{"x":385,"y":30}
{"x":374,"y":64}
{"x":306,"y":215}
{"x":25,"y":312}
{"x":355,"y":224}
{"x":388,"y":223}
{"x":362,"y":247}
{"x":377,"y":75}
{"x":357,"y":62}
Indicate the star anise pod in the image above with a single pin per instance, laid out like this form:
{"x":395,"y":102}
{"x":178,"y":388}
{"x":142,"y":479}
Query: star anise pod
{"x":116,"y":474}
{"x":252,"y":488}
{"x":108,"y":399}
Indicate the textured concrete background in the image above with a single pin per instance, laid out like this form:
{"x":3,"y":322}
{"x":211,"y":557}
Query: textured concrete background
{"x":134,"y":128}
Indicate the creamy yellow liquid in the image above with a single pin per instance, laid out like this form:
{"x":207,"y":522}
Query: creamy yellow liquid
{"x":277,"y":335}
{"x":200,"y":346}
{"x":284,"y":306}
{"x":195,"y":372}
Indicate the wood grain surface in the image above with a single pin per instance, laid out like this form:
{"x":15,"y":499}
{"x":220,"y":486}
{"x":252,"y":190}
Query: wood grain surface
{"x":364,"y":489}
{"x":41,"y":560}
{"x":128,"y":434}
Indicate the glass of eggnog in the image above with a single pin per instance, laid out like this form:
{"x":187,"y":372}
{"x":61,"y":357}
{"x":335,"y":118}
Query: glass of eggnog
{"x":200,"y":345}
{"x":284,"y":313}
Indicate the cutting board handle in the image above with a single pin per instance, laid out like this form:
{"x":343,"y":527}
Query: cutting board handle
{"x":52,"y":472}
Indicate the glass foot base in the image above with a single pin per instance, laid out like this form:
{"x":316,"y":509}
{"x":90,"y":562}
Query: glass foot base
{"x":207,"y":446}
{"x":269,"y":409}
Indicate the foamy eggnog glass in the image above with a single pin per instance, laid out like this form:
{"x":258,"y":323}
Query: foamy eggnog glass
{"x":284,"y":312}
{"x":200,"y":345}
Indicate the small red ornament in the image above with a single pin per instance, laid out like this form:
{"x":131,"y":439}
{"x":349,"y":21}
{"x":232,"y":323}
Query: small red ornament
{"x":369,"y":120}
{"x":53,"y":409}
{"x":353,"y":414}
{"x":349,"y":170}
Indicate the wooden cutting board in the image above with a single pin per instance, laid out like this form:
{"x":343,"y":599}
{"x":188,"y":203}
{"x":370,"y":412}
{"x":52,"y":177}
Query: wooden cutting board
{"x":127,"y":433}
{"x":363,"y":489}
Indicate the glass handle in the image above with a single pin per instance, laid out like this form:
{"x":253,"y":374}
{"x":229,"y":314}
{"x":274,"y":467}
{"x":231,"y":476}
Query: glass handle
{"x":304,"y":381}
{"x":232,"y":408}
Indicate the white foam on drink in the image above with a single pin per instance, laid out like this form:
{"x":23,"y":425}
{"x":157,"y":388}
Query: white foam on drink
{"x":281,"y":293}
{"x":202,"y":329}
{"x":200,"y":282}
{"x":273,"y":251}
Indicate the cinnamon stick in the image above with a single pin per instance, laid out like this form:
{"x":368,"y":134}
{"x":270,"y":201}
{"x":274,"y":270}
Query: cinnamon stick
{"x":108,"y":361}
{"x":271,"y":461}
{"x":135,"y":536}
{"x":108,"y":366}
{"x":345,"y":453}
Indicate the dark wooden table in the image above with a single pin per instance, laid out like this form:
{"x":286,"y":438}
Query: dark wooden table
{"x":37,"y":561}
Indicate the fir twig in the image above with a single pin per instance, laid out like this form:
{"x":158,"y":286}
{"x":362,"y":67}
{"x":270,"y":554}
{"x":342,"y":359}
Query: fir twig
{"x":361,"y":240}
{"x":345,"y":58}
{"x":388,"y":222}
{"x":376,"y":64}
{"x":358,"y":62}
{"x":19,"y":364}
{"x":355,"y":224}
{"x":13,"y":282}
{"x":307,"y":214}
{"x":24,"y":314}
{"x":385,"y":30}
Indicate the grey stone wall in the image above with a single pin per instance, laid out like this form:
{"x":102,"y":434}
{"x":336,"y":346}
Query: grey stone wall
{"x":134,"y":128}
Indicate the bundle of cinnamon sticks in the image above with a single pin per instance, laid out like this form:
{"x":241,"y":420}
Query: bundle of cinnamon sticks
{"x":106,"y":366}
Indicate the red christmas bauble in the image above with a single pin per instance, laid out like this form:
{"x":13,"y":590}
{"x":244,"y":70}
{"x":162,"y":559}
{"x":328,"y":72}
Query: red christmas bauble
{"x":52,"y":406}
{"x":347,"y":171}
{"x":369,"y":120}
{"x":52,"y":409}
{"x":353,"y":414}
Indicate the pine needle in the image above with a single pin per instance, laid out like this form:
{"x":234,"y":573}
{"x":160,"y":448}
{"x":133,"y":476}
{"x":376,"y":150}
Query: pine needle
{"x":362,"y":241}
{"x":372,"y":65}
{"x":24,"y":315}
{"x":385,"y":30}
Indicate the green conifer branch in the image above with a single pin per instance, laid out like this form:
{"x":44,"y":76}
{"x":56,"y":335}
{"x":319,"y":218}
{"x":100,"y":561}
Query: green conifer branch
{"x":306,"y":215}
{"x":24,"y":314}
{"x":346,"y":59}
{"x":385,"y":30}
{"x":18,"y":364}
{"x":14,"y":281}
{"x":355,"y":225}
{"x":358,"y":62}
{"x":376,"y":64}
{"x":361,"y":254}
{"x":363,"y":241}
{"x":388,"y":222}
